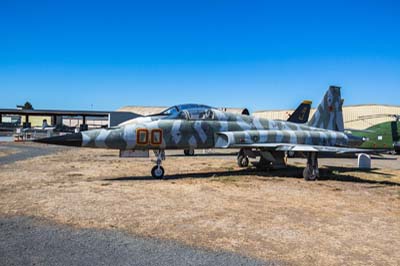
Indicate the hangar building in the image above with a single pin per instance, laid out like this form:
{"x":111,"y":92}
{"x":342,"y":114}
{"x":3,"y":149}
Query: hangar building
{"x":355,"y":116}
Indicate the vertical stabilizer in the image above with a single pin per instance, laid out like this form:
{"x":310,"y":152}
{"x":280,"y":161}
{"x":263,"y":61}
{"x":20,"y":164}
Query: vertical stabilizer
{"x":329,"y":114}
{"x":301,"y":114}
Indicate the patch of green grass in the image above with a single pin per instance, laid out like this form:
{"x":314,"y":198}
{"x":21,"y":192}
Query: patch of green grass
{"x":226,"y":179}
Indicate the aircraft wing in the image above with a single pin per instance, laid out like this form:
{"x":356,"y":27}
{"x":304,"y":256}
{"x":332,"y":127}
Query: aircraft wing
{"x":227,"y":140}
{"x":305,"y":148}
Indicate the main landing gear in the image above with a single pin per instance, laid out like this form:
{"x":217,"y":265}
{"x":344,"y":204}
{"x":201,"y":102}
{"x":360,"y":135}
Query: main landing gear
{"x":311,"y":172}
{"x":242,"y":159}
{"x":158,"y":171}
{"x":188,"y":152}
{"x":268,"y":159}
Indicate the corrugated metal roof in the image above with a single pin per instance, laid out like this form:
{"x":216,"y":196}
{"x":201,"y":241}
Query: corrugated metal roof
{"x":55,"y":112}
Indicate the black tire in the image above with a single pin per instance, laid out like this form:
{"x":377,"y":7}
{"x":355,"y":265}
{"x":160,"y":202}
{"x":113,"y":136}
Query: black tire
{"x":291,"y":154}
{"x":243,"y":161}
{"x":189,"y":152}
{"x":309,"y":175}
{"x":397,"y":152}
{"x":157,"y":172}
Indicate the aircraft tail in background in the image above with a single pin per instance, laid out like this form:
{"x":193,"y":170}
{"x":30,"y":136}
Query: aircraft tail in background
{"x":301,"y":114}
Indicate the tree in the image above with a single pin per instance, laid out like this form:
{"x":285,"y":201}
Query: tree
{"x":27,"y":106}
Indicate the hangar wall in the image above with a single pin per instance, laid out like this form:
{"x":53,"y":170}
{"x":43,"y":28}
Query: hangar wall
{"x":352,"y":114}
{"x":36,"y":121}
{"x":143,"y":110}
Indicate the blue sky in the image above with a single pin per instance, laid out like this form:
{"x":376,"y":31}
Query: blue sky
{"x":256,"y":54}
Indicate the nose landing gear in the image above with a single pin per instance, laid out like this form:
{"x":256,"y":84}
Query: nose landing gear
{"x":158,"y":171}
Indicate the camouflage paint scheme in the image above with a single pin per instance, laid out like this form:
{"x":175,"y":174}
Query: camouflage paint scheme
{"x":300,"y":115}
{"x":219,"y":130}
{"x":329,"y":114}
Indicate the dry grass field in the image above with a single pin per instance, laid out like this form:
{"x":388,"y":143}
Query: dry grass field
{"x":346,"y":218}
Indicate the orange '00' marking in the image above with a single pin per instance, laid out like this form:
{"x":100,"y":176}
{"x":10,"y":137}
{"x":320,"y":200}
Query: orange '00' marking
{"x":153,"y":142}
{"x":138,"y":140}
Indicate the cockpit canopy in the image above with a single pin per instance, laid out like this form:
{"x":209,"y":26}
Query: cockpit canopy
{"x":209,"y":114}
{"x":206,"y":114}
{"x":186,"y":111}
{"x":198,"y":111}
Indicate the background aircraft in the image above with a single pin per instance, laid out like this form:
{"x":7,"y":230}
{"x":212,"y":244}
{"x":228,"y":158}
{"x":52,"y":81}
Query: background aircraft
{"x":301,"y":114}
{"x":381,"y":136}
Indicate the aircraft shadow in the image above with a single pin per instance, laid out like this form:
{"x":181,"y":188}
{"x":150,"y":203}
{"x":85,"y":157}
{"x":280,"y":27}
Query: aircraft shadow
{"x":204,"y":154}
{"x":384,"y":158}
{"x":326,"y":174}
{"x":343,"y":174}
{"x":192,"y":175}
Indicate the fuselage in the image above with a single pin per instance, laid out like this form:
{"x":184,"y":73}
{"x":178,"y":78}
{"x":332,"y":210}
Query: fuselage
{"x":218,"y":130}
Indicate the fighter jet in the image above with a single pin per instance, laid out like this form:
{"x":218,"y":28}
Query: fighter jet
{"x":217,"y":129}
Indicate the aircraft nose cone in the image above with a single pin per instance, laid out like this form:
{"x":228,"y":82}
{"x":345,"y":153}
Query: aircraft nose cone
{"x":74,"y":139}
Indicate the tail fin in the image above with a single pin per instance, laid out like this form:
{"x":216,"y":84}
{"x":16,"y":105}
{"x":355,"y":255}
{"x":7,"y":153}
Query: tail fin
{"x":301,"y":114}
{"x":329,"y":113}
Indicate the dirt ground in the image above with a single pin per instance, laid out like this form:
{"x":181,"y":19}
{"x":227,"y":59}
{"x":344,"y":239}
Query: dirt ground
{"x":348,"y":217}
{"x":6,"y":152}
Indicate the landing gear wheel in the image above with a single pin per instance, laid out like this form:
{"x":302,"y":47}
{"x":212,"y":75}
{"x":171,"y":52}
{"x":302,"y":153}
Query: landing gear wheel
{"x":309,"y":174}
{"x":243,"y":161}
{"x":189,"y":152}
{"x":157,"y":172}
